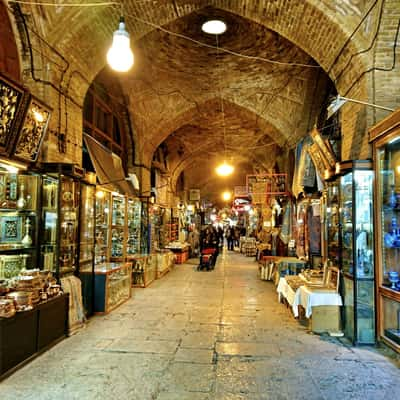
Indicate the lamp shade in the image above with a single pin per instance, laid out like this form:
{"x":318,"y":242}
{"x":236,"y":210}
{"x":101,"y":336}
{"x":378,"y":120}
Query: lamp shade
{"x":120,"y":56}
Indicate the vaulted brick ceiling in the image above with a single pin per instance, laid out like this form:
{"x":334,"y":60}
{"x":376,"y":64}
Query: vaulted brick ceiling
{"x":208,"y":104}
{"x":175,"y":88}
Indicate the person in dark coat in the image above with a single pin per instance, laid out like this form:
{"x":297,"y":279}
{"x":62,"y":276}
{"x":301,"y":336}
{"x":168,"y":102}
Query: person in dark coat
{"x":230,"y":236}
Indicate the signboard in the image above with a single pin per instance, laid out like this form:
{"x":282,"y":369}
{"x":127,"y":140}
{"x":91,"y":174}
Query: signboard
{"x":194,"y":195}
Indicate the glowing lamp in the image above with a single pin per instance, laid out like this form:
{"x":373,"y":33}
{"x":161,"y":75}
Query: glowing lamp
{"x":214,"y":27}
{"x":120,"y":56}
{"x":226,"y":196}
{"x":224,"y":169}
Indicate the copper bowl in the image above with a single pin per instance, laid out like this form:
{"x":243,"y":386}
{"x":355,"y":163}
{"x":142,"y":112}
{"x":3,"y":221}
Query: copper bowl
{"x":22,"y":299}
{"x":7,"y":308}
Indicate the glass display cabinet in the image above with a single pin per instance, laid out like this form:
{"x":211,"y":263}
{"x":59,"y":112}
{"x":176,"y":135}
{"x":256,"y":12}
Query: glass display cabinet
{"x":357,"y":256}
{"x":87,"y":243}
{"x":118,"y":227}
{"x":332,"y":227}
{"x":18,"y":220}
{"x":386,"y":150}
{"x":48,"y":243}
{"x":112,"y":285}
{"x":60,"y":217}
{"x":134,"y":208}
{"x":102,"y":225}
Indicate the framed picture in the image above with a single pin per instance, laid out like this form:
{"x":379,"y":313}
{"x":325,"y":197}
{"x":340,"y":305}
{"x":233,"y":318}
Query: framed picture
{"x":194,"y":195}
{"x":333,"y":278}
{"x":32,"y":131}
{"x":328,"y":156}
{"x":13,"y":100}
{"x":10,"y":229}
{"x":317,"y":159}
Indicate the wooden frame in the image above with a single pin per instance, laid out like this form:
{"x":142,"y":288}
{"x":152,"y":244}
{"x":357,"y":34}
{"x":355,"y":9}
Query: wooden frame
{"x":13,"y":100}
{"x":317,"y":159}
{"x":333,"y":278}
{"x":32,"y":131}
{"x":382,"y":133}
{"x":328,"y":156}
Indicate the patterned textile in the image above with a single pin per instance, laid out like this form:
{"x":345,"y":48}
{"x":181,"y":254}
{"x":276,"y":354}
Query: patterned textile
{"x":76,"y":318}
{"x":286,"y":224}
{"x":314,"y":229}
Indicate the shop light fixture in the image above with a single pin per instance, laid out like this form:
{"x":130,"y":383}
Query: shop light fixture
{"x":224,"y":169}
{"x":214,"y":27}
{"x":218,"y":27}
{"x":120,"y":56}
{"x":226,"y":196}
{"x":339,"y":101}
{"x":100,"y":194}
{"x":11,"y":166}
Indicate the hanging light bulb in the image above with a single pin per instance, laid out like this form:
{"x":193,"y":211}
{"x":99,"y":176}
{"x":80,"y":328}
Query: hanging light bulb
{"x":224,"y":169}
{"x":226,"y":196}
{"x":120,"y":56}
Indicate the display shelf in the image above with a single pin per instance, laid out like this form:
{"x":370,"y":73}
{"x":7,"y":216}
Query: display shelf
{"x":332,"y":235}
{"x":102,"y":224}
{"x":134,"y":210}
{"x":60,"y":217}
{"x":144,"y":269}
{"x":386,"y":151}
{"x":117,"y":243}
{"x":19,"y":219}
{"x":112,"y":285}
{"x":357,"y":254}
{"x":87,"y":241}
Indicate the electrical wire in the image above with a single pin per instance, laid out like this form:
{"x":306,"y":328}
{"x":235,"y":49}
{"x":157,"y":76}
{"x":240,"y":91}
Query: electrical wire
{"x":221,"y":99}
{"x":393,"y":66}
{"x":222,"y":49}
{"x":47,"y":4}
{"x":348,"y":40}
{"x":158,"y":27}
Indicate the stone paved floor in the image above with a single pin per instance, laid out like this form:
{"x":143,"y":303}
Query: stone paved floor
{"x":205,"y":335}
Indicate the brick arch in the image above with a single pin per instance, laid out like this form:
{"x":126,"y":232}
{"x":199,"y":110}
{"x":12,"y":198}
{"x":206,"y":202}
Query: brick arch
{"x":194,"y":114}
{"x":9,"y":55}
{"x":310,"y":24}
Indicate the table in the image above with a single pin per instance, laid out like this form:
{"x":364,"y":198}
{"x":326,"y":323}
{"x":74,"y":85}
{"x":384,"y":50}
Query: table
{"x":309,"y":298}
{"x":321,"y":305}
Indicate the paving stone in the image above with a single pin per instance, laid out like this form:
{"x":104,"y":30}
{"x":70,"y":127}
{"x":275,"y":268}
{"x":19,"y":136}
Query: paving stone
{"x":262,"y":352}
{"x":196,"y":356}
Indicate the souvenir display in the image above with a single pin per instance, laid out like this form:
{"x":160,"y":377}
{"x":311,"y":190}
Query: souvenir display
{"x":87,"y":242}
{"x":385,"y":137}
{"x":60,"y":212}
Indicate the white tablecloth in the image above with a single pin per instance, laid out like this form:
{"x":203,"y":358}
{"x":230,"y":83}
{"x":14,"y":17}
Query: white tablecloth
{"x":307,"y":298}
{"x":286,"y":291}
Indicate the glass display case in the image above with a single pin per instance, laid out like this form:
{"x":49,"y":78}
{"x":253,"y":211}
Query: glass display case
{"x":386,"y":150}
{"x":18,"y":220}
{"x":357,"y":256}
{"x":102,"y":225}
{"x":112,"y":285}
{"x":118,"y":227}
{"x":134,"y":209}
{"x":48,"y":243}
{"x":332,"y":227}
{"x":86,"y":244}
{"x":87,"y":227}
{"x":60,"y":217}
